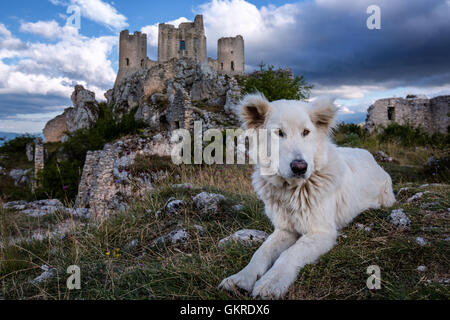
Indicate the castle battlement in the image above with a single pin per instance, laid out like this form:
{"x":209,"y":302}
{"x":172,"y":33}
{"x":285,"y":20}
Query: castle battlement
{"x":188,"y":40}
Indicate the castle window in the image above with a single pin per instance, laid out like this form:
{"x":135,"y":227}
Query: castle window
{"x":142,"y":63}
{"x":232,"y":51}
{"x":182,"y":45}
{"x":127,"y":61}
{"x":232,"y":65}
{"x":391,"y":113}
{"x":221,"y":66}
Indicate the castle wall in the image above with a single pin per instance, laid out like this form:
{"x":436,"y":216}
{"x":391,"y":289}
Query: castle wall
{"x":230,"y":55}
{"x":430,"y":114}
{"x":132,"y":54}
{"x":188,"y":40}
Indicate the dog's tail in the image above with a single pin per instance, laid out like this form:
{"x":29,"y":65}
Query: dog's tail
{"x":387,"y":198}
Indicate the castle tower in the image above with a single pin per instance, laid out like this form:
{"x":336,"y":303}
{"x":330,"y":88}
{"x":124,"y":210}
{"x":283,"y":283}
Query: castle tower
{"x":230,"y":55}
{"x":132,"y":53}
{"x":188,"y":40}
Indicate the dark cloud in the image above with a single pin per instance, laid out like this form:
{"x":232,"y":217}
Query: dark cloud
{"x":29,"y":103}
{"x":331,"y":44}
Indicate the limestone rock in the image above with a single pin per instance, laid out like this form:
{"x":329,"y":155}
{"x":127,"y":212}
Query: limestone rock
{"x":21,"y":177}
{"x":421,"y":241}
{"x":30,"y":151}
{"x":175,"y":236}
{"x":172,"y":94}
{"x":37,"y":208}
{"x":172,"y":206}
{"x":245,"y":236}
{"x":48,"y":273}
{"x":208,"y":202}
{"x":83,"y":114}
{"x":417,"y":196}
{"x":399,"y":218}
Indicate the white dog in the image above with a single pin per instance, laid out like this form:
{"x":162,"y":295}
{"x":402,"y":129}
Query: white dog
{"x":317,"y":190}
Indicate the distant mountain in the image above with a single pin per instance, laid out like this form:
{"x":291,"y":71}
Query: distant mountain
{"x":12,"y":135}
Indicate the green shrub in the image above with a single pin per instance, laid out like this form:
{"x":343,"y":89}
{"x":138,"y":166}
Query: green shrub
{"x":412,"y":136}
{"x":17,"y":144}
{"x":275,"y":84}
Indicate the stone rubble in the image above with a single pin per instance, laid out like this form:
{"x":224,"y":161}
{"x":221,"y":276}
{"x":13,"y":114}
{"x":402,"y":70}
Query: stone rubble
{"x":48,"y":273}
{"x":245,"y":236}
{"x":41,"y":208}
{"x":172,"y":206}
{"x":399,"y":218}
{"x":417,"y":196}
{"x":175,"y":236}
{"x":421,"y":241}
{"x":20,"y":176}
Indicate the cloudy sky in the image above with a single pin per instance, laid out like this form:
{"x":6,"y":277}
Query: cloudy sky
{"x":42,"y":58}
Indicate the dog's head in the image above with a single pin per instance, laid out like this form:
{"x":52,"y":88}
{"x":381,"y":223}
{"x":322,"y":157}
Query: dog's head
{"x":302,"y":128}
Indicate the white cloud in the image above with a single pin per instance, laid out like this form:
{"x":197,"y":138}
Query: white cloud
{"x":54,"y":68}
{"x":48,"y":29}
{"x":263,"y":29}
{"x":101,"y":12}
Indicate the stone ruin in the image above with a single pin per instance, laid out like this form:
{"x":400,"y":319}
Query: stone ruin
{"x":433,"y":115}
{"x":186,"y":41}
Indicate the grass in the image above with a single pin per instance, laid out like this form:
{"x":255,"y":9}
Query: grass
{"x":113,"y":268}
{"x":193,"y":270}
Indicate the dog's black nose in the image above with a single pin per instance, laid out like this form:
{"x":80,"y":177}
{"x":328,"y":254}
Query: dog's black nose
{"x":299,"y":167}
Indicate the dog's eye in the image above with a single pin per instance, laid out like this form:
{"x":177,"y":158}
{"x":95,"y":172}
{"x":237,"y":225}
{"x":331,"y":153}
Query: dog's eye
{"x":305,"y":132}
{"x":281,"y":133}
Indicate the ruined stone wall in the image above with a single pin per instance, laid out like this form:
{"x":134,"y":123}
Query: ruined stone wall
{"x":230,"y":55}
{"x":132,"y":54}
{"x":39,"y":158}
{"x":430,"y":114}
{"x":188,"y":41}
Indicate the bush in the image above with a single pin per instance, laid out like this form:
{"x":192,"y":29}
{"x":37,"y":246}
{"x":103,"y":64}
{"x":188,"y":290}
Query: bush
{"x":275,"y":84}
{"x":17,"y":144}
{"x":413,"y":136}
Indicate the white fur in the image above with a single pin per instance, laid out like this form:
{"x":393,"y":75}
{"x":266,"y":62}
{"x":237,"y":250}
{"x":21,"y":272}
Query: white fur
{"x":306,"y":211}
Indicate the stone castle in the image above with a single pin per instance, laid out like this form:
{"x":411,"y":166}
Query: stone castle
{"x":433,"y":115}
{"x":186,"y":41}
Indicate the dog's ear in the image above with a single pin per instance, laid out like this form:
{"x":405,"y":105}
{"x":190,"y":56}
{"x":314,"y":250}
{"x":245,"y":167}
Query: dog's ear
{"x":323,"y":114}
{"x":254,"y":110}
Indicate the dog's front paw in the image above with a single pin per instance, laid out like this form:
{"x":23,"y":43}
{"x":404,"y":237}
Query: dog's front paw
{"x":271,"y":286}
{"x":241,"y":280}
